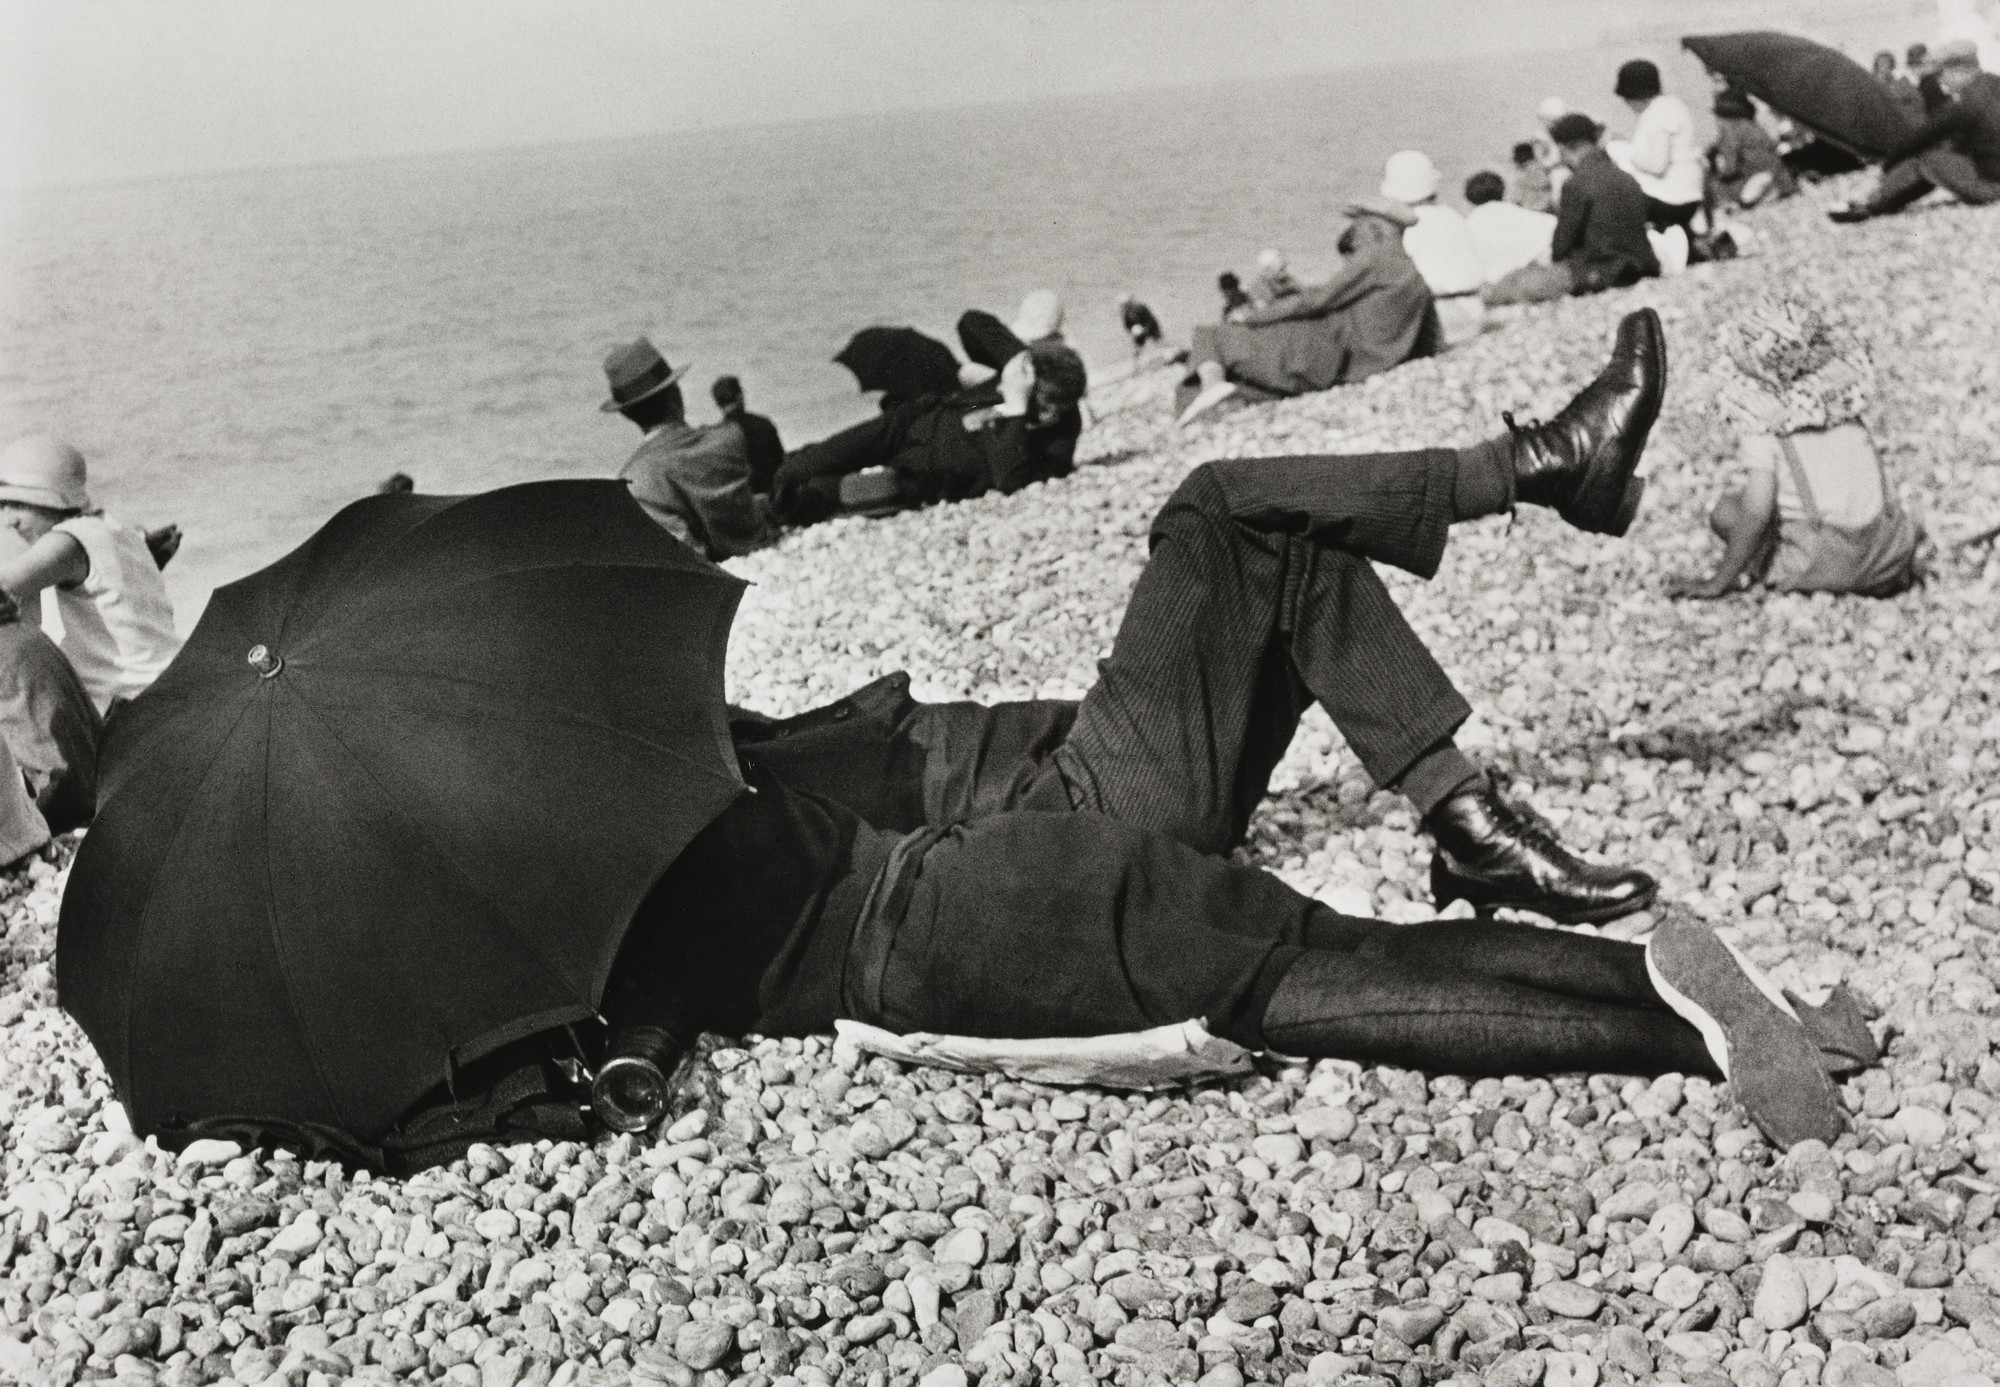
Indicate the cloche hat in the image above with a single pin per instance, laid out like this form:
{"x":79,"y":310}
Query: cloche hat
{"x":40,"y":471}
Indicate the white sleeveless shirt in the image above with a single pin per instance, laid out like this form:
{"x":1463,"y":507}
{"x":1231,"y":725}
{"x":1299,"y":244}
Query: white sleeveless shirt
{"x":117,"y":625}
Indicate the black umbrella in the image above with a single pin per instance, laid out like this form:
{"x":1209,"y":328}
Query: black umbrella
{"x":901,"y":362}
{"x":394,"y":805}
{"x":1819,"y":87}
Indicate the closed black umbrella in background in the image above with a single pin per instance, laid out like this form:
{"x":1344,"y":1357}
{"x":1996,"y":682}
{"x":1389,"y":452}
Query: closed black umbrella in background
{"x":394,"y":804}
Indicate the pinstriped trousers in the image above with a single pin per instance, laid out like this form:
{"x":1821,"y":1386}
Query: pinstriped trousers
{"x":1260,"y":598}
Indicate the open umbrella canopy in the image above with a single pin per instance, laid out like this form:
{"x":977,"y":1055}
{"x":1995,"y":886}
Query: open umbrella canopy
{"x":901,"y":362}
{"x":394,"y":805}
{"x":1819,"y":87}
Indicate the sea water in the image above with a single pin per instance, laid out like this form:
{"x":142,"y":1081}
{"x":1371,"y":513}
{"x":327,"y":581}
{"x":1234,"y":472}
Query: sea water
{"x":245,"y":353}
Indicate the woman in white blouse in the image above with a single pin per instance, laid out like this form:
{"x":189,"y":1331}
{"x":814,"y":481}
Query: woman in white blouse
{"x":1665,"y":152}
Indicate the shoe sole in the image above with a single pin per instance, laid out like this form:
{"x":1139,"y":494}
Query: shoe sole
{"x":1447,"y":886}
{"x":1760,"y":1047}
{"x":1591,"y":511}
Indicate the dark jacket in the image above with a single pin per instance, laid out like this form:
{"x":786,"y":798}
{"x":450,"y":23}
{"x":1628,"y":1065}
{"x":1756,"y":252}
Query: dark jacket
{"x":763,"y":450}
{"x":1970,"y":124}
{"x":788,"y":865}
{"x":1601,"y":225}
{"x":940,"y":459}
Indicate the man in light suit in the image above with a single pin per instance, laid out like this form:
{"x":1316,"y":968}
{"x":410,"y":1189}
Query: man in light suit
{"x":694,"y":481}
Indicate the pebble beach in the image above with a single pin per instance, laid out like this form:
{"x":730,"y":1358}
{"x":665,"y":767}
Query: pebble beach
{"x":1815,"y":776}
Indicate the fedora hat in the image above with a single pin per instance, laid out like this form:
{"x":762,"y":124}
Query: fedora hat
{"x":1388,"y":209}
{"x":637,"y":371}
{"x":39,"y":471}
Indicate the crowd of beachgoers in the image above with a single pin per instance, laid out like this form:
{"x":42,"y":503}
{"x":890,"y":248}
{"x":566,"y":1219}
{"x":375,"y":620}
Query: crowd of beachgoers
{"x":1802,"y":761}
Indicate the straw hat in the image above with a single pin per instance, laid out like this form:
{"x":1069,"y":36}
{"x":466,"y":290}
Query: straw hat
{"x":637,"y":371}
{"x":1786,"y":363}
{"x":39,"y":471}
{"x":1410,"y":176}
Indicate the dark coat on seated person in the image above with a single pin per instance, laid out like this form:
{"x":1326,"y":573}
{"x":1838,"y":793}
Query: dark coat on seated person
{"x":1601,"y":226}
{"x":1376,"y":312}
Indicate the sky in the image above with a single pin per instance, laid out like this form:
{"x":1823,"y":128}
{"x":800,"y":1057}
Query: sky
{"x":104,"y":89}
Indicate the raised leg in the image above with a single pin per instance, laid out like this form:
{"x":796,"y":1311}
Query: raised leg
{"x":1259,"y":598}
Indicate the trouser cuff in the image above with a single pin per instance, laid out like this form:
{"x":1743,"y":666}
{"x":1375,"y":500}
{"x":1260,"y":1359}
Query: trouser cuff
{"x":1436,"y":776}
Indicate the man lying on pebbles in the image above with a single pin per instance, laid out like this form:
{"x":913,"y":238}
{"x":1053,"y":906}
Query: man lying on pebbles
{"x":1053,"y":869}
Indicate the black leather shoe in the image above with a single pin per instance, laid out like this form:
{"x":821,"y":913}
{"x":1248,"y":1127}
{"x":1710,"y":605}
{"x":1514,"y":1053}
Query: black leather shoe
{"x":1580,"y":462}
{"x":1846,"y":216}
{"x":1491,"y":854}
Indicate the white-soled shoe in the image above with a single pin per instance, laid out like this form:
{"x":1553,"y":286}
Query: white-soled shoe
{"x":1751,"y":1032}
{"x":1209,"y":398}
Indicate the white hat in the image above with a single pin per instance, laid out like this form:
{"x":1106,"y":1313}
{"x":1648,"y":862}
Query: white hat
{"x":1410,"y":177}
{"x":39,"y":471}
{"x":1272,"y":259}
{"x":1552,"y":109}
{"x":1040,"y":315}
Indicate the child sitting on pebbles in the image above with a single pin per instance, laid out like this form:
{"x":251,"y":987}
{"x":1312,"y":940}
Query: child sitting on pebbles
{"x":1815,"y":511}
{"x":117,"y":621}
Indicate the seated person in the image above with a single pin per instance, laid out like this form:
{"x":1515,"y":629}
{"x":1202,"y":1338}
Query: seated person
{"x":1957,"y":149}
{"x":1273,"y":280}
{"x":1061,"y":870}
{"x":762,"y":447}
{"x":1898,"y":86}
{"x":1665,"y":156}
{"x":1744,"y":165}
{"x":1140,"y":324}
{"x":1375,"y":313}
{"x":117,"y":621}
{"x":1001,"y":436}
{"x":1234,"y":296}
{"x":1530,"y":186}
{"x":694,"y":481}
{"x":1505,"y":236}
{"x":1440,"y":244}
{"x":1815,"y":511}
{"x":1600,"y":239}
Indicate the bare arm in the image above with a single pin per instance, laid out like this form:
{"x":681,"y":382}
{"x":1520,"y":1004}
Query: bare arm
{"x":1756,"y":512}
{"x":54,"y":560}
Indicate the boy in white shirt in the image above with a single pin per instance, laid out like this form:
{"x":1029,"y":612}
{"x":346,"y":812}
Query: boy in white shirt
{"x":117,"y":622}
{"x":1505,"y":235}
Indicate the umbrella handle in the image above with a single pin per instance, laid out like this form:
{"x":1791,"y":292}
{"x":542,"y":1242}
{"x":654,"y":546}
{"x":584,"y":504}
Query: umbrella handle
{"x":630,"y":1092}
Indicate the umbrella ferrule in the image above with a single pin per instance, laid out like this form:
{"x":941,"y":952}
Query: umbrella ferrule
{"x":265,"y":662}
